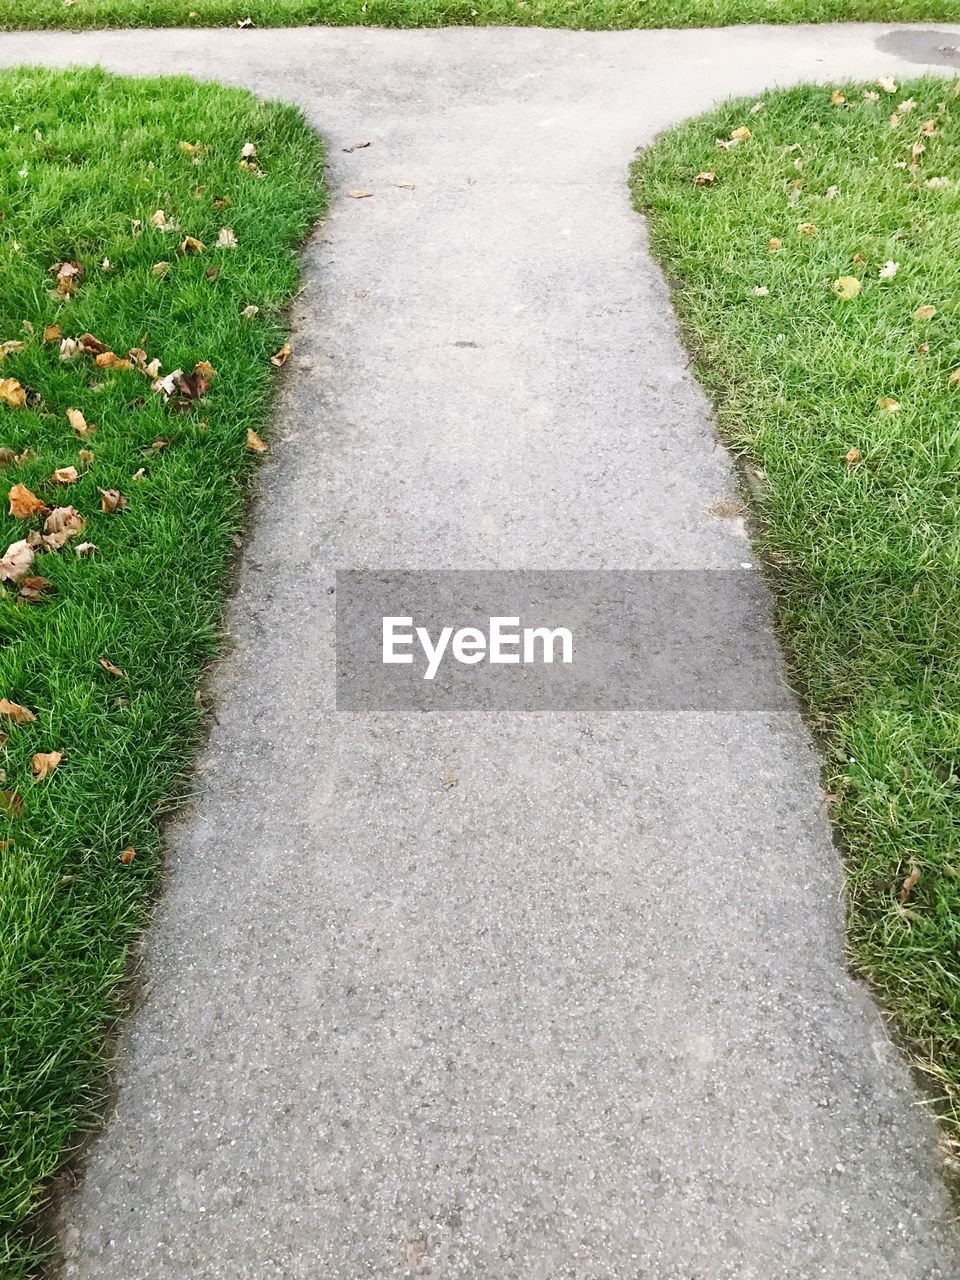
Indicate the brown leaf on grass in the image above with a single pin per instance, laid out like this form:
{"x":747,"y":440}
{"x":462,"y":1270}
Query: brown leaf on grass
{"x":248,"y":151}
{"x":11,"y":804}
{"x":250,"y":311}
{"x":909,"y":884}
{"x":191,"y":148}
{"x":51,"y":332}
{"x":86,"y":549}
{"x":887,"y":404}
{"x":254,"y":443}
{"x":211,"y":273}
{"x":24,"y":505}
{"x":62,"y":524}
{"x":65,"y":475}
{"x":112,"y":500}
{"x":44,"y":763}
{"x":7,"y":457}
{"x":195,"y":385}
{"x":12,"y":394}
{"x":10,"y":347}
{"x":16,"y":561}
{"x":68,"y":275}
{"x":128,"y":855}
{"x":80,"y":424}
{"x":226,"y":239}
{"x":90,"y":345}
{"x":852,"y":457}
{"x":69,"y":350}
{"x":114,"y":671}
{"x":221,"y":202}
{"x":281,"y":357}
{"x":35,"y":590}
{"x":806,"y":229}
{"x":191,"y":245}
{"x":110,"y":360}
{"x":14,"y":712}
{"x":160,"y":268}
{"x":925,"y":313}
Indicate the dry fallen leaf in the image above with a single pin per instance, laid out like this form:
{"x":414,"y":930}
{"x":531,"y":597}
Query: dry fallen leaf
{"x":190,"y":245}
{"x":773,"y":244}
{"x":281,"y":357}
{"x":65,"y":475}
{"x":80,"y":424}
{"x":10,"y":347}
{"x":742,"y":134}
{"x":249,"y":312}
{"x":254,"y":443}
{"x":16,"y":561}
{"x":11,"y":803}
{"x":62,"y":524}
{"x":24,"y":505}
{"x":837,"y":98}
{"x":847,"y":287}
{"x":359,"y":195}
{"x":226,"y":239}
{"x":14,"y":712}
{"x":114,"y":671}
{"x":68,"y":275}
{"x":7,"y":457}
{"x":852,"y":457}
{"x":909,"y":883}
{"x":112,"y":500}
{"x":925,"y":313}
{"x":806,"y":228}
{"x":35,"y":590}
{"x":110,"y":360}
{"x":51,"y":332}
{"x":12,"y":394}
{"x":86,"y":548}
{"x":248,"y":151}
{"x":128,"y":855}
{"x":886,"y":404}
{"x":705,"y":179}
{"x":44,"y":763}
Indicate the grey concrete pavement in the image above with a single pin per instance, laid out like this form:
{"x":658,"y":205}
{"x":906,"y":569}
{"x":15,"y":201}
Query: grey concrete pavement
{"x":586,"y":1014}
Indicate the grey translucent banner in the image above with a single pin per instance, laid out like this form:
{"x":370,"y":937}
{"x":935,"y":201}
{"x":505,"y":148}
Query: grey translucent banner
{"x":556,"y":640}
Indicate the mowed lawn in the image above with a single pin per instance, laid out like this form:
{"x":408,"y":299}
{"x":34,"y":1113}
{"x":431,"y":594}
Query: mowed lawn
{"x":148,"y":237}
{"x":585,"y":14}
{"x":813,"y":239}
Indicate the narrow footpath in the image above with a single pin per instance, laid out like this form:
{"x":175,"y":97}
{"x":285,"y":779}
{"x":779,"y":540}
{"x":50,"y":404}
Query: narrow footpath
{"x":496,"y":996}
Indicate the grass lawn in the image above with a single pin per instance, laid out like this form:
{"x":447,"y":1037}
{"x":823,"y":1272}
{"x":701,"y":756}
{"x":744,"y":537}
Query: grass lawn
{"x":815,"y":268}
{"x":589,"y":14}
{"x":100,"y":649}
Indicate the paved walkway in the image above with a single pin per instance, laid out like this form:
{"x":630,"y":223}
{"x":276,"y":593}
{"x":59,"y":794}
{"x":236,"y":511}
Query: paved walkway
{"x":585,"y":1014}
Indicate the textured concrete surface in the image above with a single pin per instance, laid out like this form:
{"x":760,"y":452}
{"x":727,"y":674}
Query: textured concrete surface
{"x":584,"y":1014}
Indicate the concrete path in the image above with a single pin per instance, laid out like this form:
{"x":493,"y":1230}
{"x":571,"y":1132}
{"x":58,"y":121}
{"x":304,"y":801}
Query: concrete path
{"x":586,"y":1013}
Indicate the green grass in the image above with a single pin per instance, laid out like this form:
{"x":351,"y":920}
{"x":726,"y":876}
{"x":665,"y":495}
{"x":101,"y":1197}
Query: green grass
{"x":83,"y":156}
{"x":863,"y":548}
{"x":588,"y":14}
